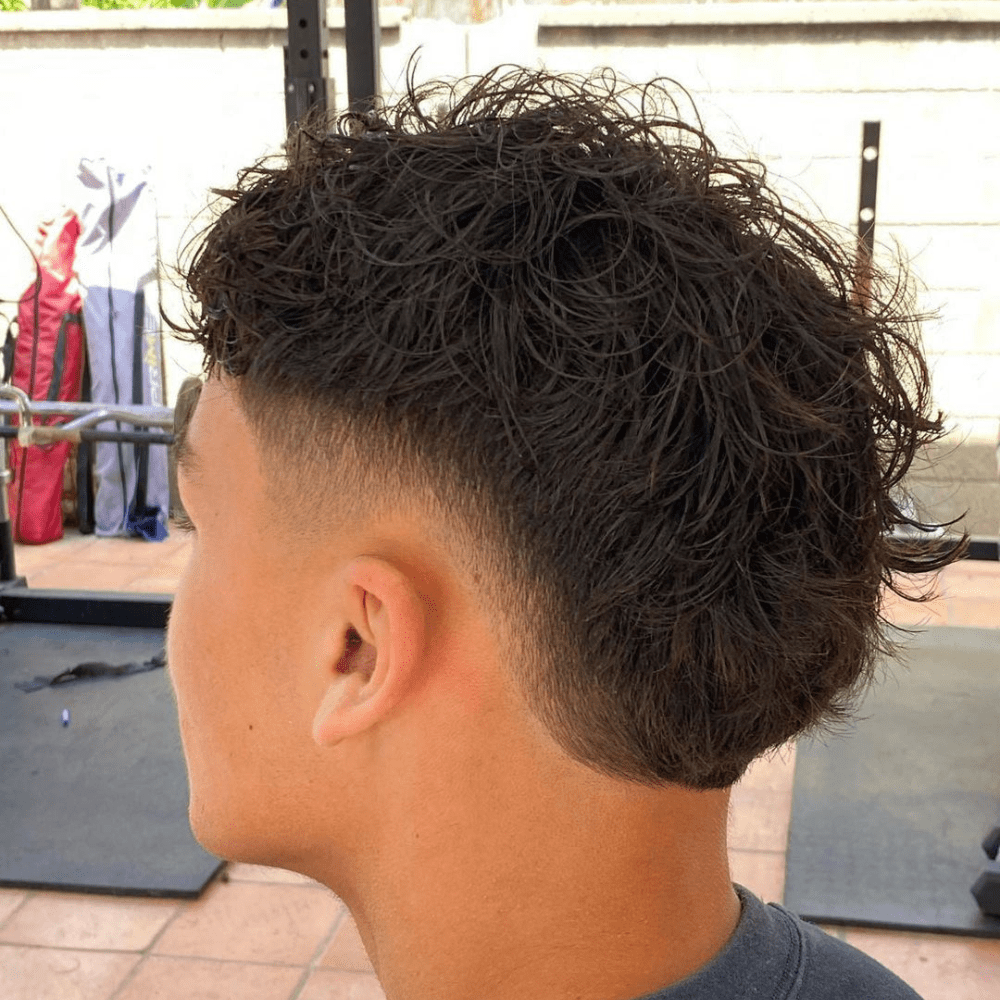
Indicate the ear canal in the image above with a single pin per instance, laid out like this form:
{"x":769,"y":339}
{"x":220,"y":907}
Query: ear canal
{"x":352,"y":643}
{"x":357,"y":658}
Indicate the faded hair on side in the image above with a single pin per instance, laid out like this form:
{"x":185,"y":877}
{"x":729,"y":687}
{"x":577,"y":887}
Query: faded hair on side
{"x":669,"y":409}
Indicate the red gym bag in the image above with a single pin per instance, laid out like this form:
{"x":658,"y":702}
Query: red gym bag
{"x":48,"y":364}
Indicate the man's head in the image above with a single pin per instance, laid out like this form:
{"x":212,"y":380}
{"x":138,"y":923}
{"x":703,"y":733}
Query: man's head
{"x":637,"y":405}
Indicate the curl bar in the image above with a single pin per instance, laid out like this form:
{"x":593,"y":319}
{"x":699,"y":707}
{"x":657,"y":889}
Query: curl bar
{"x":84,"y":420}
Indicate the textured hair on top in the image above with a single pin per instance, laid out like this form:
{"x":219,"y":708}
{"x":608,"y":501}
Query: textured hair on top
{"x":671,"y":410}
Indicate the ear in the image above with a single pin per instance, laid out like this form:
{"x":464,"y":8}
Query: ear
{"x":382,"y":650}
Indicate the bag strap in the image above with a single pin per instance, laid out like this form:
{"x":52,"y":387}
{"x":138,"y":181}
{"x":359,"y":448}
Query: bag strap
{"x":7,"y":351}
{"x":59,"y":357}
{"x":141,"y":450}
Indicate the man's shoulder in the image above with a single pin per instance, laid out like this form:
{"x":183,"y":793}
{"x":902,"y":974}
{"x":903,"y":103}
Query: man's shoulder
{"x":773,"y":955}
{"x":834,"y":970}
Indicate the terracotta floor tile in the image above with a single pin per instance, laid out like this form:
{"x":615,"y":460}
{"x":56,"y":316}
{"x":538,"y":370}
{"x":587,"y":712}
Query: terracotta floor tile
{"x":175,"y":566}
{"x":69,"y":546}
{"x":971,"y":578}
{"x":82,"y":575}
{"x":910,"y":613}
{"x":261,"y":873}
{"x":346,"y":952}
{"x":180,"y":541}
{"x":135,"y":551}
{"x":762,"y":872}
{"x":327,"y":985}
{"x":160,"y":584}
{"x":937,"y":966}
{"x":163,"y":978}
{"x":834,"y":930}
{"x":73,"y":540}
{"x":56,"y":974}
{"x":758,"y":820}
{"x":10,"y":900}
{"x":772,"y":773}
{"x":921,"y":583}
{"x":29,"y":559}
{"x":979,"y":613}
{"x":252,"y":922}
{"x":79,"y":920}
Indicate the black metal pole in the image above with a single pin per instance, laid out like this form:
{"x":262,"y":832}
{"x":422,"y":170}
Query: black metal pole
{"x":8,"y":569}
{"x":362,"y":43}
{"x":93,"y":434}
{"x":306,"y":58}
{"x":869,"y":185}
{"x":866,"y":212}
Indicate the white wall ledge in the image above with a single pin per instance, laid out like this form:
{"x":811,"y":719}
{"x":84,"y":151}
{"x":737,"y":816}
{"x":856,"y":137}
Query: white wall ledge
{"x":707,"y":14}
{"x":773,"y":12}
{"x":221,"y":19}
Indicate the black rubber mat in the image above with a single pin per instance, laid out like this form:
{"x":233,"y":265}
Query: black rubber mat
{"x":100,"y":804}
{"x":887,"y":823}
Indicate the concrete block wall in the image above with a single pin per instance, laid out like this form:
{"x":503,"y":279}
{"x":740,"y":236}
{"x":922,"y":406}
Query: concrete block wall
{"x":791,"y":84}
{"x":199,"y":94}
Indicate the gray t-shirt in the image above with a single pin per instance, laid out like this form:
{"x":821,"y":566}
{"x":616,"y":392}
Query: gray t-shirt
{"x":776,"y":956}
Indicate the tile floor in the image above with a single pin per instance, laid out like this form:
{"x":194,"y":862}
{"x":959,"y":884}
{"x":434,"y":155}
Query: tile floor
{"x":265,"y":934}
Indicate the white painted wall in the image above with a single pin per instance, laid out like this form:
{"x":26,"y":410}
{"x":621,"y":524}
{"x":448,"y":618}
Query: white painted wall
{"x":198,"y":94}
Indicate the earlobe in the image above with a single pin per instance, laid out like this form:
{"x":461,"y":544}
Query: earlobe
{"x":337,"y":716}
{"x":381,"y":653}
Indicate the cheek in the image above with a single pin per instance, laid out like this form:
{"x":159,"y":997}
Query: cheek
{"x":202,"y":644}
{"x":186,"y":659}
{"x":227,"y":643}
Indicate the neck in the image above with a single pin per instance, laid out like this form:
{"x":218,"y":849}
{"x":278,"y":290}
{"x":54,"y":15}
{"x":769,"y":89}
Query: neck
{"x":619,"y":896}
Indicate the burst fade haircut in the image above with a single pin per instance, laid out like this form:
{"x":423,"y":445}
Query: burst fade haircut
{"x":650,"y":394}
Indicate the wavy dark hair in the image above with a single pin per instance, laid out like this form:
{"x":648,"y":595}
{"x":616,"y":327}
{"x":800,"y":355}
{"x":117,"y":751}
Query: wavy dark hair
{"x":671,"y":413}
